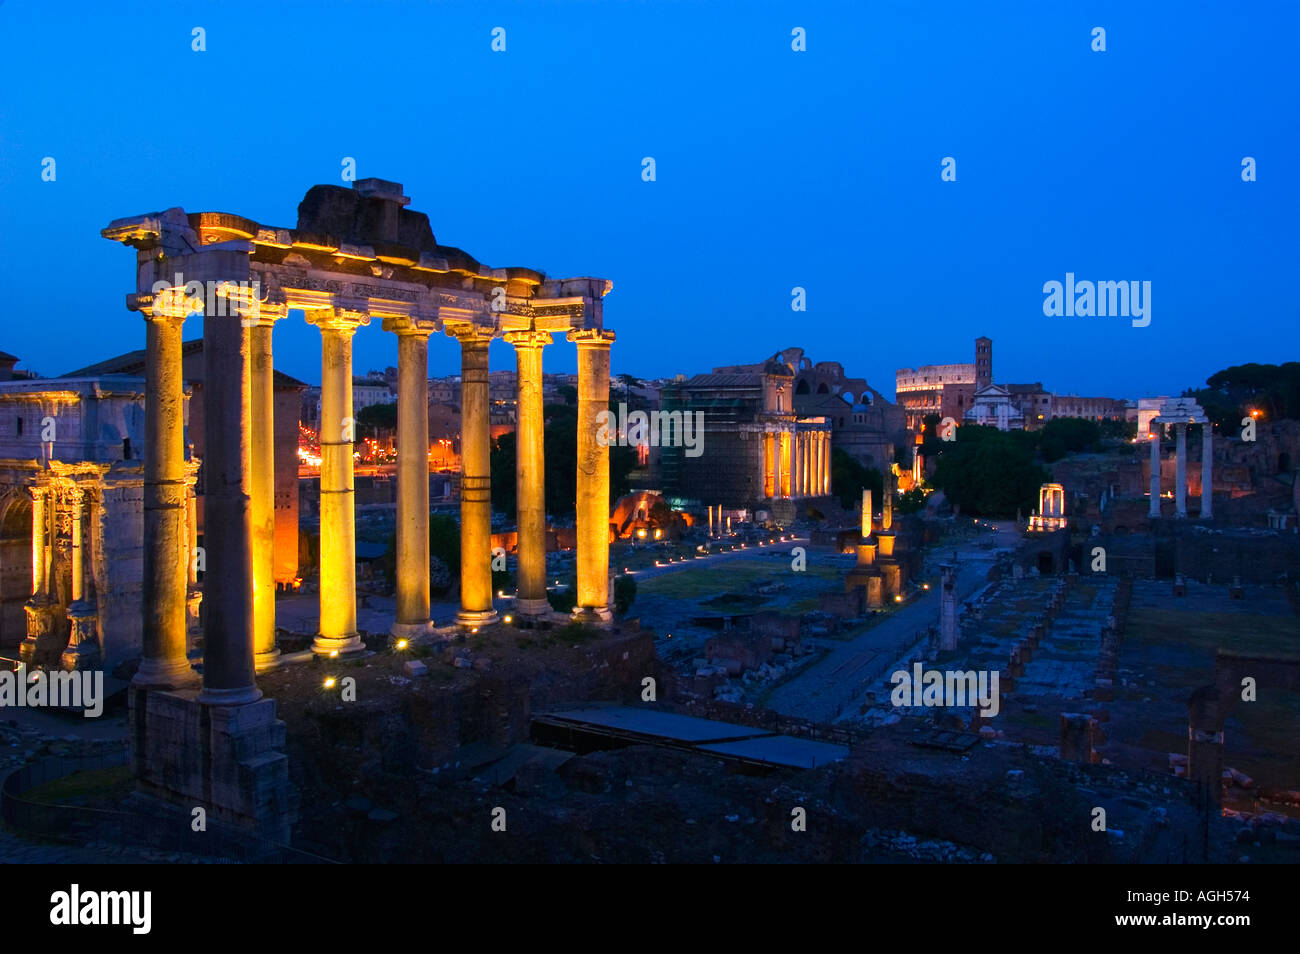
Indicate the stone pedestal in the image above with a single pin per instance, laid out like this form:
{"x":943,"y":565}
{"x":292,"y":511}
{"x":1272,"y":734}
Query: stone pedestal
{"x":83,"y":643}
{"x":228,"y":760}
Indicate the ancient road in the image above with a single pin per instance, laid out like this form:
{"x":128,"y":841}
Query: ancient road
{"x":837,"y":684}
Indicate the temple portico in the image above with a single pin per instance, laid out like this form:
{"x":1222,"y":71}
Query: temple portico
{"x":1177,"y":414}
{"x":357,"y":254}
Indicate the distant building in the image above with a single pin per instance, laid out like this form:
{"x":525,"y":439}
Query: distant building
{"x":287,"y":409}
{"x":943,"y":389}
{"x":755,"y":450}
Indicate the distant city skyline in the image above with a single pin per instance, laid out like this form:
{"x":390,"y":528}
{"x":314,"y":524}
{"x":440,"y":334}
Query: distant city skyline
{"x":775,"y":170}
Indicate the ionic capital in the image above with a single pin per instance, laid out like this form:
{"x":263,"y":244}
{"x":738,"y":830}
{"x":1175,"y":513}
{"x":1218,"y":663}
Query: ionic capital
{"x":470,"y":335}
{"x":339,"y":319}
{"x":411,"y":325}
{"x":528,"y":339}
{"x":591,"y":337}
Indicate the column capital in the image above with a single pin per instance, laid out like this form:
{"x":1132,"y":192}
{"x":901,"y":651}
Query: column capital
{"x":340,"y":319}
{"x":411,"y":325}
{"x":263,"y":314}
{"x":591,"y":337}
{"x":470,"y":334}
{"x":528,"y":339}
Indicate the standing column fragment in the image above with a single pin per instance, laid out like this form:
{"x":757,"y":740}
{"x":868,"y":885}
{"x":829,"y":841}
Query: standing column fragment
{"x":412,"y":483}
{"x":593,"y":476}
{"x":476,"y":607}
{"x":530,"y":473}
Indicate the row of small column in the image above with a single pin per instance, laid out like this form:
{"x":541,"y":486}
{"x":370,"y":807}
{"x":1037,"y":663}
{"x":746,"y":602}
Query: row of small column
{"x":796,"y":464}
{"x":82,"y":650}
{"x":1180,"y":469}
{"x":239,"y":623}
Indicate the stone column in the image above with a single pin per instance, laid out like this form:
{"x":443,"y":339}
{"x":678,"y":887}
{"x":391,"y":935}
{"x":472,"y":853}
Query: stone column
{"x":530,"y":473}
{"x":778,"y":445}
{"x":796,"y":464}
{"x":1207,"y":470}
{"x":164,"y":664}
{"x":39,"y":613}
{"x":1180,"y":470}
{"x":338,"y":544}
{"x":193,"y":593}
{"x":810,"y":472}
{"x":866,"y":512}
{"x":1155,"y":470}
{"x":783,"y":462}
{"x":769,"y":464}
{"x":228,"y":674}
{"x":475,"y":481}
{"x":593,"y":476}
{"x":82,"y":651}
{"x":829,"y":456}
{"x":412,"y":482}
{"x":262,"y":486}
{"x":948,"y":630}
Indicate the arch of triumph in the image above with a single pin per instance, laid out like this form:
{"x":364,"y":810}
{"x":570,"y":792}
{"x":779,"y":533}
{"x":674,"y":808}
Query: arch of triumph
{"x":357,"y":256}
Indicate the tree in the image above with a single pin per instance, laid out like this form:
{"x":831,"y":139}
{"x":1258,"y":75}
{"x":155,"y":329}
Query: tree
{"x":376,"y":418}
{"x":624,"y":594}
{"x":849,"y":476}
{"x":987,"y":472}
{"x":1068,"y":435}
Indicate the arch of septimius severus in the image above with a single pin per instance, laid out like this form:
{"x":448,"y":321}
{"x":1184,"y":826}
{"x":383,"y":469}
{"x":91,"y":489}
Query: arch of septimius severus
{"x":356,"y":256}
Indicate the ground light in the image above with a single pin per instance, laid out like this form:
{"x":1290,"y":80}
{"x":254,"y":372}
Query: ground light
{"x":509,"y":619}
{"x":401,"y":644}
{"x":329,"y":682}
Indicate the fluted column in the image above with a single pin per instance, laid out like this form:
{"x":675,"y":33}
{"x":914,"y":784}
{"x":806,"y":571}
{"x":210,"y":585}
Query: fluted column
{"x":1207,"y":470}
{"x":262,"y":499}
{"x":530,"y":473}
{"x":228,"y":673}
{"x":475,"y":480}
{"x":783,"y":478}
{"x":1154,"y":510}
{"x":412,"y":481}
{"x":164,"y":663}
{"x":338,"y":543}
{"x":593,"y":476}
{"x":1180,"y":470}
{"x":82,"y":651}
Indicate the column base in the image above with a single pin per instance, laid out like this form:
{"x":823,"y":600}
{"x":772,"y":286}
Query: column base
{"x":267,"y":661}
{"x":593,"y":615}
{"x":82,"y":651}
{"x":229,"y":697}
{"x":476,"y":618}
{"x":27,"y":650}
{"x":165,"y":674}
{"x":409,"y":631}
{"x":337,"y":645}
{"x":532,"y":609}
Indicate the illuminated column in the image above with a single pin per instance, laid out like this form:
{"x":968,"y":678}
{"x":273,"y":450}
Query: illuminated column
{"x":193,"y":593}
{"x":228,"y":674}
{"x":796,"y":463}
{"x":783,"y":464}
{"x":475,"y":482}
{"x":1207,"y":470}
{"x":530,"y":472}
{"x":338,"y":561}
{"x":262,"y":485}
{"x":810,"y":461}
{"x":769,"y":464}
{"x":38,"y":606}
{"x":593,"y":476}
{"x":82,"y":651}
{"x":1155,"y":469}
{"x":826,"y":464}
{"x":412,"y":479}
{"x":866,"y":512}
{"x":164,"y":664}
{"x":1180,"y":469}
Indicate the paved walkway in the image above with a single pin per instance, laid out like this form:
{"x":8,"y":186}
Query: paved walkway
{"x":838,"y":683}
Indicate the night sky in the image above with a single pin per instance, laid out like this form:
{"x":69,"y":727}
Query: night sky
{"x":775,"y":169}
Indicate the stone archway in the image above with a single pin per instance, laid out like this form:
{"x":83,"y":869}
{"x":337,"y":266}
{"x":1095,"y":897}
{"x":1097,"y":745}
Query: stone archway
{"x":15,"y":568}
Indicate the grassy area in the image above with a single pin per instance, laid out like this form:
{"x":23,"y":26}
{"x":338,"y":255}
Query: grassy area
{"x":1207,"y":632}
{"x":78,"y":788}
{"x":736,"y":575}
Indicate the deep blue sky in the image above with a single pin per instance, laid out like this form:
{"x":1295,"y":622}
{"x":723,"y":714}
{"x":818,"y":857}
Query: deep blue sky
{"x":775,"y":169}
